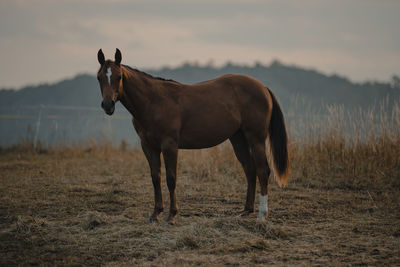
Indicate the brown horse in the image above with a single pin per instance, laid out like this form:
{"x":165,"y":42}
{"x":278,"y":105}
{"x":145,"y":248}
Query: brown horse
{"x":168,"y":115}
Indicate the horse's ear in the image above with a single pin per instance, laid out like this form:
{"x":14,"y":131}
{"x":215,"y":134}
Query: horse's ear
{"x":118,"y":57}
{"x":100,"y":57}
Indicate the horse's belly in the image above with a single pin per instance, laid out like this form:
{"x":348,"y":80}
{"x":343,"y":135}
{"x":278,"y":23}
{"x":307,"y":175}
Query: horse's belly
{"x":202,"y":142}
{"x":207,"y":131}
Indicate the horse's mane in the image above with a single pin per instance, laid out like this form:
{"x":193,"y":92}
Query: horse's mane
{"x":147,"y":75}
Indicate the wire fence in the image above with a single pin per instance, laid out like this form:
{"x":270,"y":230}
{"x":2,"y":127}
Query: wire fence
{"x":66,"y":125}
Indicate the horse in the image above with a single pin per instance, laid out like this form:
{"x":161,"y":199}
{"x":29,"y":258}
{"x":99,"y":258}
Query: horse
{"x":168,"y":116}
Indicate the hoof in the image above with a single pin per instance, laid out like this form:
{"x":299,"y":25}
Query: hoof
{"x":261,"y":220}
{"x":246,"y":213}
{"x":152,"y":220}
{"x":261,"y":217}
{"x":168,"y":223}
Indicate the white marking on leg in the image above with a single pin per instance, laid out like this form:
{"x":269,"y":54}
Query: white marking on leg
{"x":263,"y":209}
{"x":109,"y":75}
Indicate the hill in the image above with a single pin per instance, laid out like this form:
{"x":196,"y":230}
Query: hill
{"x":289,"y":83}
{"x":81,"y":90}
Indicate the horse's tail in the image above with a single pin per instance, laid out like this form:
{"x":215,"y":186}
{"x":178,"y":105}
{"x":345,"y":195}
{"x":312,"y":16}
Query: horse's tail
{"x":278,"y":143}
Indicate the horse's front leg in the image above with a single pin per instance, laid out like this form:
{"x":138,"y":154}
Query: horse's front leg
{"x":153,"y":157}
{"x":170,"y":153}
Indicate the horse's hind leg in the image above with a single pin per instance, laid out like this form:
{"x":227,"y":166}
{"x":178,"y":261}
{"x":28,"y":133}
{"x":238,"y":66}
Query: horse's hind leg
{"x":243,"y":154}
{"x":263,"y":171}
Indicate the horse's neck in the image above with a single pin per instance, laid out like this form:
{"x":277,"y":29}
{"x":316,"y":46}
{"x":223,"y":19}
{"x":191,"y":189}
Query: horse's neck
{"x":137,"y":93}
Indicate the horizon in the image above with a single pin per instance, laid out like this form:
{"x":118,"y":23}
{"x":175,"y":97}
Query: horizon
{"x":46,"y":41}
{"x":209,"y":64}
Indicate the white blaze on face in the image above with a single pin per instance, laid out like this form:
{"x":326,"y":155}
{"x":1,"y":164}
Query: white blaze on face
{"x":109,"y":75}
{"x":263,"y":209}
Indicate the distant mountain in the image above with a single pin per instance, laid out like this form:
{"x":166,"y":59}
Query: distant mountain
{"x":295,"y":87}
{"x":79,"y":91}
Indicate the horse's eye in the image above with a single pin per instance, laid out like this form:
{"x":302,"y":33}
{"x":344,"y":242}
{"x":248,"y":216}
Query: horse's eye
{"x":119,"y":77}
{"x":98,"y":77}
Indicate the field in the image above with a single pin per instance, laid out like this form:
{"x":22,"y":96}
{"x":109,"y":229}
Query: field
{"x":88,"y":205}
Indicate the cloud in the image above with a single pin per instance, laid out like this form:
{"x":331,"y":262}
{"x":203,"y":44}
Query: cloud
{"x":356,"y":38}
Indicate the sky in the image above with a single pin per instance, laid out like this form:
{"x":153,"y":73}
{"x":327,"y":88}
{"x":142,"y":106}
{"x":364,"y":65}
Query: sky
{"x":49,"y":40}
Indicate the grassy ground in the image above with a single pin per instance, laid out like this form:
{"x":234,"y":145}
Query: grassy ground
{"x":88,"y":206}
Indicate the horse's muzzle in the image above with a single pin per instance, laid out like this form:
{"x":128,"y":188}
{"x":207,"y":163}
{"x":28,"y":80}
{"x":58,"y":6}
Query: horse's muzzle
{"x":108,"y":106}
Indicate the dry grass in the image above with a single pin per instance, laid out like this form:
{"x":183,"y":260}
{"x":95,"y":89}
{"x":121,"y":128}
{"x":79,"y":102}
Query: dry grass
{"x":88,"y":206}
{"x":355,"y":150}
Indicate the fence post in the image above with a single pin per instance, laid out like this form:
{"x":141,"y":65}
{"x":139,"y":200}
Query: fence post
{"x":37,"y":127}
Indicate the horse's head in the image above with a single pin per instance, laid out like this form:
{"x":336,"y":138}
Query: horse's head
{"x":109,"y":77}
